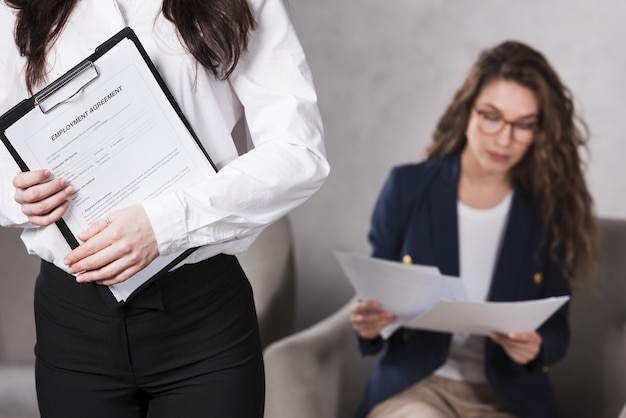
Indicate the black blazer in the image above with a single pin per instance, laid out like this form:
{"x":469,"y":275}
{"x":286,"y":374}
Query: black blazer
{"x":416,"y":216}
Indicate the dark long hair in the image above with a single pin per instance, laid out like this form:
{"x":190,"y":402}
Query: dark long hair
{"x":551,"y":171}
{"x":215,"y":32}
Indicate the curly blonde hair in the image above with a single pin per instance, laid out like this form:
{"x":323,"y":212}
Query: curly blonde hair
{"x":551,"y":171}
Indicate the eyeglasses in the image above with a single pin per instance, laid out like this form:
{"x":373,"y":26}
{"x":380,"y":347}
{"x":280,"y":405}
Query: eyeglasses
{"x":492,"y":123}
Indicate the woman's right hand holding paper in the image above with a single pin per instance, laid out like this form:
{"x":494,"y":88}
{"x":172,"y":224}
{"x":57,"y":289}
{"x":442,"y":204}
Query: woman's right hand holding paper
{"x":43,"y":202}
{"x":369,"y":318}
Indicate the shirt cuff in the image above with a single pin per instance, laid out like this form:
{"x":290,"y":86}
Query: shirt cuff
{"x":167,"y":217}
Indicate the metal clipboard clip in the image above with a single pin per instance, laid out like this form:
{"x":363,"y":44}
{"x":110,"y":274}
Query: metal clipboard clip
{"x":79,"y":74}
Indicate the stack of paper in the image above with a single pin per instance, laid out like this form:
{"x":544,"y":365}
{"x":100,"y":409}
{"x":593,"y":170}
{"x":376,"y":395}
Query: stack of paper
{"x":423,"y":298}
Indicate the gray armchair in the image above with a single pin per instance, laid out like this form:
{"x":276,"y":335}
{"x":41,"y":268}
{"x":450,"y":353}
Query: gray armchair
{"x":318,"y":372}
{"x":17,"y":327}
{"x":268,"y":264}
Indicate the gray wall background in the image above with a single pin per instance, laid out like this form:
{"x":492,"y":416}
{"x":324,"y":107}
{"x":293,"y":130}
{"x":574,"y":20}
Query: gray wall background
{"x":385,"y":70}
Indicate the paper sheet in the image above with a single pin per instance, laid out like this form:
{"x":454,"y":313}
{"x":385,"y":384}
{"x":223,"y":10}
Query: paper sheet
{"x":423,"y":298}
{"x":405,"y":289}
{"x":483,"y":318}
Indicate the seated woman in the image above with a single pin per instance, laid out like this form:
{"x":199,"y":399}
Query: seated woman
{"x":501,"y":202}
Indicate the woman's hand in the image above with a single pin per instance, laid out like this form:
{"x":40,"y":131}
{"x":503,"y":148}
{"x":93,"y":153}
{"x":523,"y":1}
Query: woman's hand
{"x":43,"y":203}
{"x":522,"y":347}
{"x":112,"y":252}
{"x":368,"y":319}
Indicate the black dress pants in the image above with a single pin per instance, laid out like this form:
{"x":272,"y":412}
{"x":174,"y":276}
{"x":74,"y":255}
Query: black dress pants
{"x":187,"y":346}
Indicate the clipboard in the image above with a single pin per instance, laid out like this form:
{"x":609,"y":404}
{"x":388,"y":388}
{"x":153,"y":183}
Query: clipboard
{"x":66,"y":91}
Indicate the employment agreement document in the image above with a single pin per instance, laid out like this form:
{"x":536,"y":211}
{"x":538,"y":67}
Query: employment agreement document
{"x":118,"y":142}
{"x":423,"y":298}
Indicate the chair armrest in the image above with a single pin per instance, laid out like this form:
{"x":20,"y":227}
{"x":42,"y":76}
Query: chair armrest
{"x":17,"y":391}
{"x":268,"y":264}
{"x":317,"y":372}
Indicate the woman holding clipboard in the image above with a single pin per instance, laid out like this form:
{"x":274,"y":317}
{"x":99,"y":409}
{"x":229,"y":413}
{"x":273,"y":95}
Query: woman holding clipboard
{"x":188,"y":344}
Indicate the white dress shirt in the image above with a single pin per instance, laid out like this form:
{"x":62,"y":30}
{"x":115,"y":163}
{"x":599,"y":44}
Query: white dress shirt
{"x":271,"y":88}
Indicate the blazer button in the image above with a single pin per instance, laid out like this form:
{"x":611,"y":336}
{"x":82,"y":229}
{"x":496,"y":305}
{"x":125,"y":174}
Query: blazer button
{"x":407,"y":259}
{"x":545,"y":369}
{"x":538,"y":278}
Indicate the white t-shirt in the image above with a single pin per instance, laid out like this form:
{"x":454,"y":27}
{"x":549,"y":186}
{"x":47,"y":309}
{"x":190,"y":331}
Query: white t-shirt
{"x":480,"y":235}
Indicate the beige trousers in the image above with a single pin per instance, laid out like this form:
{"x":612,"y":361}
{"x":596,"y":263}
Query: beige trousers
{"x":438,"y":397}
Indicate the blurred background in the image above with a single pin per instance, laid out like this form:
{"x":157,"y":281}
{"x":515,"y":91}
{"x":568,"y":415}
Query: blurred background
{"x":384,"y":72}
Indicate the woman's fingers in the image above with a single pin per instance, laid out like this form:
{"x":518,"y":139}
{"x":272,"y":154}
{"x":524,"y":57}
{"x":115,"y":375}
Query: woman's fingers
{"x":114,"y":248}
{"x":521,"y":347}
{"x":26,"y":179}
{"x":43,"y":202}
{"x":368,"y":319}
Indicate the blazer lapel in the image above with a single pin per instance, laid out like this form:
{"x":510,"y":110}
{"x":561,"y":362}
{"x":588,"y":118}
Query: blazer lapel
{"x":513,"y":250}
{"x":443,"y":211}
